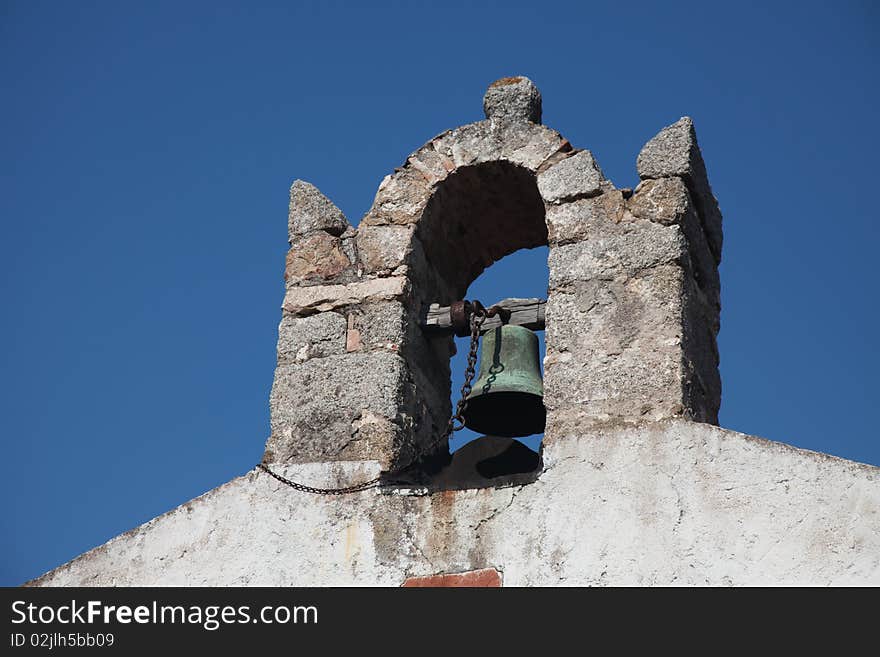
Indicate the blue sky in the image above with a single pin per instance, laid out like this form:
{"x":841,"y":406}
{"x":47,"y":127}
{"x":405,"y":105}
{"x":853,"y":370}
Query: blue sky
{"x":148,"y":152}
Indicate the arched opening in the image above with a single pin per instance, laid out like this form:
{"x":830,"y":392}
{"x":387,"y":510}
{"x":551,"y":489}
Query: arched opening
{"x":522,"y":274}
{"x":476,"y":216}
{"x":484,"y":236}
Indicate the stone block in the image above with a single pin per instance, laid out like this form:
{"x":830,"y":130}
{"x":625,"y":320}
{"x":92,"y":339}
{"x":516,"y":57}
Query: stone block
{"x":380,"y":324}
{"x":522,"y":143}
{"x":400,"y":199}
{"x":671,"y":152}
{"x":316,"y":257}
{"x":614,"y":347}
{"x":674,"y":152}
{"x":663,"y":200}
{"x":384,"y":248}
{"x":433,"y":166}
{"x":321,"y":298}
{"x":626,"y":249}
{"x":513,"y":99}
{"x":316,"y":336}
{"x":607,"y":317}
{"x":310,"y":210}
{"x":637,"y":347}
{"x":337,"y":408}
{"x":530,"y":145}
{"x":582,"y":218}
{"x":668,"y":201}
{"x":577,"y":176}
{"x":473,"y":143}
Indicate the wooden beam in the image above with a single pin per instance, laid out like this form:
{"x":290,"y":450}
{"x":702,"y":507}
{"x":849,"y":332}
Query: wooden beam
{"x":523,"y":312}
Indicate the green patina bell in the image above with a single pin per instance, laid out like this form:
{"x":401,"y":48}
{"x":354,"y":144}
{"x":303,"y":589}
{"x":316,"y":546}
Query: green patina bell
{"x":508,"y":396}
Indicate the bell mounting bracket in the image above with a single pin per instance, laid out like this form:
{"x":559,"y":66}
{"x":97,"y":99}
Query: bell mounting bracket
{"x":456,"y":318}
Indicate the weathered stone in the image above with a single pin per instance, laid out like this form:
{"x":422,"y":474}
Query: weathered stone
{"x":317,"y":256}
{"x":430,"y":405}
{"x":380,"y":324}
{"x":532,"y":146}
{"x":582,"y":218}
{"x":702,"y":264}
{"x":671,"y":152}
{"x":701,"y":379}
{"x":626,"y":249}
{"x":384,"y":248}
{"x":474,"y":143}
{"x":663,"y":200}
{"x":577,"y":176}
{"x":630,"y":336}
{"x":513,"y":99}
{"x":318,"y":407}
{"x":321,"y":298}
{"x":375,"y":437}
{"x":667,"y":201}
{"x":614,"y":348}
{"x":349,"y":245}
{"x":469,"y":144}
{"x":433,"y":166}
{"x":316,"y":336}
{"x":400,"y":199}
{"x":310,"y":210}
{"x":525,"y":144}
{"x":425,"y":277}
{"x":674,"y":152}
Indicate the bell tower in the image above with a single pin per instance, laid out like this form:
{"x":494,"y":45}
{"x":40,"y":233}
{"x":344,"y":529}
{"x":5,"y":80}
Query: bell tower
{"x":631,"y":314}
{"x":635,"y":485}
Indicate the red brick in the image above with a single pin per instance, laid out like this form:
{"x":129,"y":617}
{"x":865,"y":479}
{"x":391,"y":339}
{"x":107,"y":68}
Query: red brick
{"x":487,"y":577}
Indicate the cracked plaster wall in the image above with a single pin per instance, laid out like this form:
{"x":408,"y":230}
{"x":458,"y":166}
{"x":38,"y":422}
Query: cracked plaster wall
{"x":673,"y":502}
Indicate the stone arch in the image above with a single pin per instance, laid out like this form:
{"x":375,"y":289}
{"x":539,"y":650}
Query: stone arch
{"x":479,"y":214}
{"x":466,"y":199}
{"x":632,"y":304}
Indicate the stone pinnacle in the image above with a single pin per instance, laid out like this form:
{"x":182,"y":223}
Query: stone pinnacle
{"x":513,"y":99}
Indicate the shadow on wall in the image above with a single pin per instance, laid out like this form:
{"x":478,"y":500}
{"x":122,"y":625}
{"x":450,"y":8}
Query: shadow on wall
{"x":489,"y":462}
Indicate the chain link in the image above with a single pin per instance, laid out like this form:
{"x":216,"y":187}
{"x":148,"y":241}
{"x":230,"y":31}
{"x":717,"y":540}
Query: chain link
{"x":320,"y":491}
{"x":478,"y":316}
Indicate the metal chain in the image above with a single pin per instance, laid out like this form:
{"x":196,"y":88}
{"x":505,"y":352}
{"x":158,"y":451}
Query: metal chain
{"x":320,"y":491}
{"x":478,"y":316}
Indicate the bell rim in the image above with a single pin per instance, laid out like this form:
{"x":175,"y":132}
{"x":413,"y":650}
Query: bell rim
{"x":527,"y":402}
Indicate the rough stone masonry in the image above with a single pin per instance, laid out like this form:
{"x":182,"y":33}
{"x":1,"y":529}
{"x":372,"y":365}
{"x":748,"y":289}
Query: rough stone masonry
{"x":633,"y":304}
{"x":635,"y":484}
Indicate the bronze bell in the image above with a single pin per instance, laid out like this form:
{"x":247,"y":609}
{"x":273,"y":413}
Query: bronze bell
{"x":507,"y":399}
